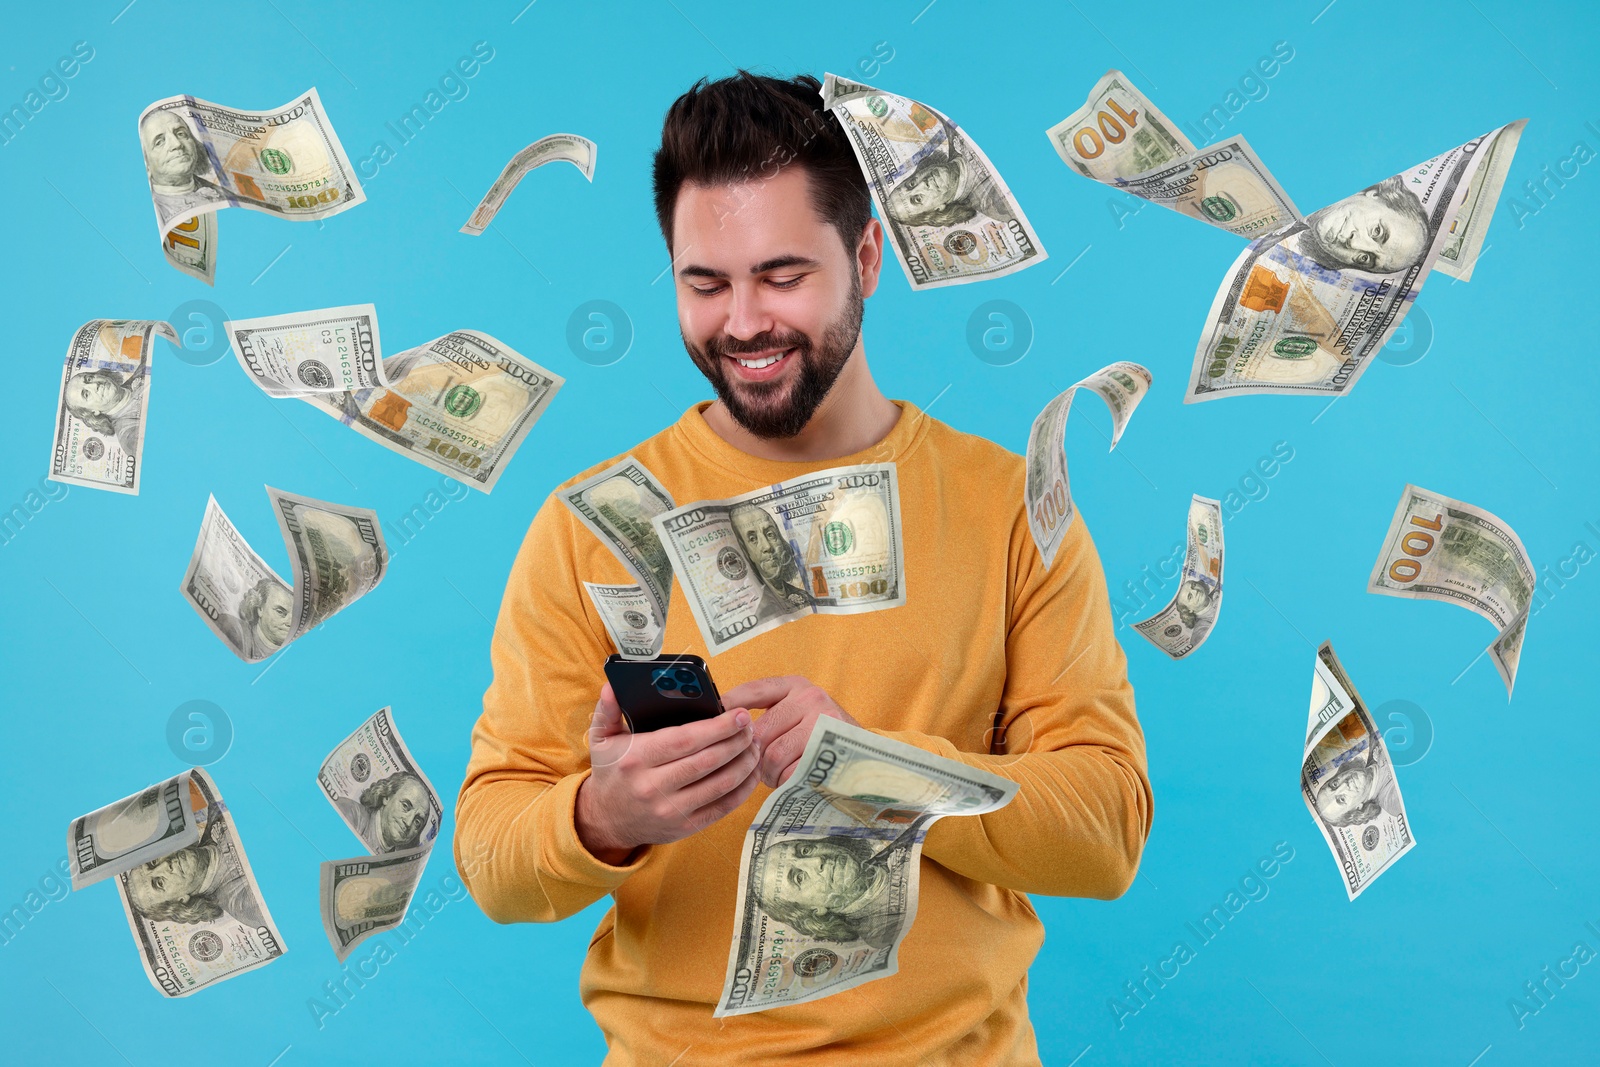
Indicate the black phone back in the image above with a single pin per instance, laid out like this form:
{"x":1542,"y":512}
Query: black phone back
{"x":665,"y":691}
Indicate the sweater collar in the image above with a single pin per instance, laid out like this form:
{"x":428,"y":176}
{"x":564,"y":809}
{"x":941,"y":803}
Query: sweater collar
{"x":896,"y":445}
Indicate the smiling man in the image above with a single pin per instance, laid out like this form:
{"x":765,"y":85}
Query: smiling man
{"x":993,"y":660}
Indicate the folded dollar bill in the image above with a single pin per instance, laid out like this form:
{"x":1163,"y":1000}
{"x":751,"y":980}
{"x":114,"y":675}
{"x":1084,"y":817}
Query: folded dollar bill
{"x":1121,"y":139}
{"x":192,"y":901}
{"x":1347,"y":779}
{"x":1048,"y":491}
{"x":202,"y":157}
{"x":1183,"y":625}
{"x":564,"y":147}
{"x":1304,"y":309}
{"x":1442,"y":549}
{"x":950,"y":216}
{"x":825,"y":543}
{"x":375,"y":785}
{"x":852,"y":815}
{"x":619,"y":505}
{"x":338,"y":554}
{"x":105,"y":392}
{"x":629,"y":616}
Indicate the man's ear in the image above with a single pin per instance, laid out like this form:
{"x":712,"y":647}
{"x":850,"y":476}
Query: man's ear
{"x":869,"y":256}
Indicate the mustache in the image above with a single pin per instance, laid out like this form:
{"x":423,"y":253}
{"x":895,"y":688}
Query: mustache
{"x":724,"y":345}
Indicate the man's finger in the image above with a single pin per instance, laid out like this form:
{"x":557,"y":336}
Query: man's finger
{"x":762,"y":692}
{"x":607,"y":715}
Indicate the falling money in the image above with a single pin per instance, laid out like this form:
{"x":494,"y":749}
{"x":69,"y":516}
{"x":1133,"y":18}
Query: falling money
{"x":859,"y":806}
{"x":201,"y":157}
{"x":105,"y":392}
{"x":1441,"y":549}
{"x":564,"y":147}
{"x":191,"y":899}
{"x":1048,"y":491}
{"x":1347,"y":779}
{"x":338,"y":554}
{"x":619,"y":505}
{"x":332,"y":350}
{"x":628,"y":614}
{"x":1183,"y":625}
{"x":950,"y":216}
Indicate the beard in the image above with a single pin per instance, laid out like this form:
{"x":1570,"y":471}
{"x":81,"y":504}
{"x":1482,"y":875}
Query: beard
{"x":779,"y":409}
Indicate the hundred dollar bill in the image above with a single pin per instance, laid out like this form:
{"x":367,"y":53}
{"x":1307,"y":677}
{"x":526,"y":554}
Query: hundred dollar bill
{"x":105,"y":391}
{"x":201,"y":157}
{"x":1304,"y":309}
{"x":328,"y":351}
{"x":628,"y":613}
{"x":1347,"y":779}
{"x":338,"y":554}
{"x":566,"y":147}
{"x":132,"y":831}
{"x":1121,"y":139}
{"x":1183,"y":625}
{"x":1438,"y":548}
{"x":950,"y":216}
{"x":196,"y":911}
{"x":460,"y":404}
{"x":374,"y":783}
{"x":1048,"y":491}
{"x":1465,"y":241}
{"x":824,"y":543}
{"x":619,"y":506}
{"x":366,"y":895}
{"x":380,"y":792}
{"x":853,"y":814}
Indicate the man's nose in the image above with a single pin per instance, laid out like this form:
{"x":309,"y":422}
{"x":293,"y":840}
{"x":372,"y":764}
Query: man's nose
{"x":748,"y":314}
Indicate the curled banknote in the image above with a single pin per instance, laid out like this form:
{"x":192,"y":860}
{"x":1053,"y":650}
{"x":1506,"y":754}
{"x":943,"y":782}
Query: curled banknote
{"x":619,"y":505}
{"x":201,"y":157}
{"x":1183,"y":625}
{"x":629,"y":616}
{"x":380,"y":792}
{"x":824,"y":543}
{"x":303,"y":352}
{"x":338,"y":554}
{"x":105,"y":392}
{"x":949,"y":214}
{"x":1442,"y":549}
{"x":191,"y":899}
{"x":1464,"y":242}
{"x":460,"y":404}
{"x":1121,"y":139}
{"x":565,"y":147}
{"x":1347,"y":779}
{"x":1048,"y":491}
{"x":855,"y":813}
{"x":1304,"y":309}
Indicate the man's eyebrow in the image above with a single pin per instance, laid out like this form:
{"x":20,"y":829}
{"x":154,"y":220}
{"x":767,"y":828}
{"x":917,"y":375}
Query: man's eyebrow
{"x":693,"y":270}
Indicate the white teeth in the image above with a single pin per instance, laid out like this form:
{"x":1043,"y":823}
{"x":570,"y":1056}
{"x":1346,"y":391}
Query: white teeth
{"x":757,"y":364}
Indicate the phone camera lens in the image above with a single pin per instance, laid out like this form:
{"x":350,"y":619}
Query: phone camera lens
{"x":690,"y":691}
{"x":665,"y":683}
{"x":684,"y":675}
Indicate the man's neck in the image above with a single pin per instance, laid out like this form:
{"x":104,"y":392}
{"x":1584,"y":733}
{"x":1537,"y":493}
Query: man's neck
{"x":854,"y":416}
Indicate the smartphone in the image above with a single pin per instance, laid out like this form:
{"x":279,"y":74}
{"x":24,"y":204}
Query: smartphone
{"x":665,"y":691}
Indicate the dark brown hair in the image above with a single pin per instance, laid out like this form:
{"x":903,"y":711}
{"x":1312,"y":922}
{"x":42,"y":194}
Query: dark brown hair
{"x":749,"y":127}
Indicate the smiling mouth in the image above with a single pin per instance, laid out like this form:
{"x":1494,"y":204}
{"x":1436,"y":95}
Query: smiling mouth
{"x":762,"y":361}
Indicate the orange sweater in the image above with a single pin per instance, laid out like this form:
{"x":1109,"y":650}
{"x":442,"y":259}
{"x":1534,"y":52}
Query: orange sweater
{"x":985,"y":628}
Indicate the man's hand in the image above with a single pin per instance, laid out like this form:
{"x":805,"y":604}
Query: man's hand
{"x":793,"y":706}
{"x":656,"y":787}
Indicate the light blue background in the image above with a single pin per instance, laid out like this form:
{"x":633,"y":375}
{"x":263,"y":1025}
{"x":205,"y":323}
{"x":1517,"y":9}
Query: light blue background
{"x":100,"y":649}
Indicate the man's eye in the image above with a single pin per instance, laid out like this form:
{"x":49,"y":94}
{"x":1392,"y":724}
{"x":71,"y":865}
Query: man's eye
{"x":713,"y":291}
{"x":916,"y":199}
{"x":788,"y":283}
{"x":158,"y":883}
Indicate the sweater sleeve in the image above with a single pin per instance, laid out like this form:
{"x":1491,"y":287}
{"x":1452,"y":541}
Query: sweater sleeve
{"x":1078,"y":823}
{"x":516,"y":841}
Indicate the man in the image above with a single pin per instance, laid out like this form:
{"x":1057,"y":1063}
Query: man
{"x":771,"y":558}
{"x":266,"y":615}
{"x":109,"y":403}
{"x":198,"y":884}
{"x":834,"y":889}
{"x":395,"y":809}
{"x":1382,"y":229}
{"x":1358,"y":793}
{"x":771,"y":273}
{"x":948,"y":189}
{"x":176,"y":163}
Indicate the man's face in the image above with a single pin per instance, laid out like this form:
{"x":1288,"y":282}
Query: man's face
{"x":769,"y":298}
{"x":277,"y":614}
{"x":172,"y":878}
{"x":931,"y":187}
{"x":1372,"y":235}
{"x":169,"y":148}
{"x":404,"y":813}
{"x":1350,"y":788}
{"x":814,"y":874}
{"x":1194,"y":596}
{"x":94,"y":393}
{"x":763,"y":542}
